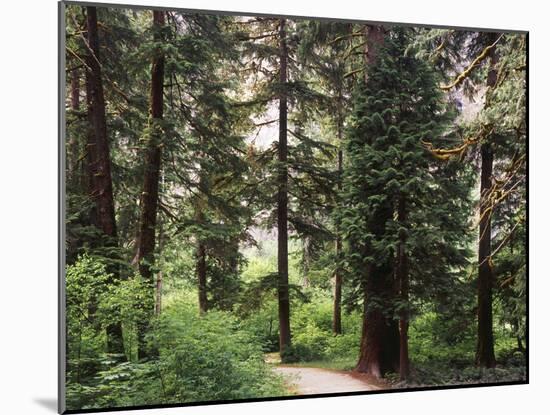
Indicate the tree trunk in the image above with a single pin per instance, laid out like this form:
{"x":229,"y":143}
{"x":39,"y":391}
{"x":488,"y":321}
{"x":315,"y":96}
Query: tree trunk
{"x":72,"y":150}
{"x":485,"y":354}
{"x":158,"y":288}
{"x":379,"y":348}
{"x":282,"y":199}
{"x":403,"y":277}
{"x":150,"y":193}
{"x":201,"y":277}
{"x":337,"y":306}
{"x":306,"y":260}
{"x":158,"y":294}
{"x":99,"y":162}
{"x":374,"y":35}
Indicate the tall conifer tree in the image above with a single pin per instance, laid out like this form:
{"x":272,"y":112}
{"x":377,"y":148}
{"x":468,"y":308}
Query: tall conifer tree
{"x":389,"y":182}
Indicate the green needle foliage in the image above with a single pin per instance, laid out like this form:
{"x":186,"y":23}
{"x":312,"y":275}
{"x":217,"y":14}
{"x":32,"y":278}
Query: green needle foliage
{"x":400,"y":107}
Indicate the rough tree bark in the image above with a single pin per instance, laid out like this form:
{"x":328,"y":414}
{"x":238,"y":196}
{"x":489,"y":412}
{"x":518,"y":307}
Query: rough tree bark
{"x":201,"y":277}
{"x":200,"y":252}
{"x":379,"y":347}
{"x":337,"y":305}
{"x":282,"y":199}
{"x":485,"y":354}
{"x":99,"y":160}
{"x":158,"y":288}
{"x":374,"y":35}
{"x":403,"y":278}
{"x":150,"y":193}
{"x":72,"y":150}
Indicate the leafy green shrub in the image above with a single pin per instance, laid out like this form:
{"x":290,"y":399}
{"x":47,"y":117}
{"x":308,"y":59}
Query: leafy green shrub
{"x":308,"y":344}
{"x":263,"y":324}
{"x":344,"y":346}
{"x":438,"y":358}
{"x":317,"y":312}
{"x":211,"y":358}
{"x":86,"y":283}
{"x":118,"y":384}
{"x":427,"y":344}
{"x":200,"y":359}
{"x":313,"y":338}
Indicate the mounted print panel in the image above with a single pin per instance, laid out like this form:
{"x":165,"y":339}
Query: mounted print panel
{"x":262,"y":207}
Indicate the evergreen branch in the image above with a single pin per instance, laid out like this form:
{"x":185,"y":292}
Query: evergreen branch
{"x":352,"y":49}
{"x":445,"y":154}
{"x":266,"y":123}
{"x":503,"y":243}
{"x":354,"y":72}
{"x":93,"y":55}
{"x":76,"y":56}
{"x":263,"y":36}
{"x":165,"y":209}
{"x":512,"y":277}
{"x":68,"y":70}
{"x":437,"y":51}
{"x":480,"y":58}
{"x":346,"y":36}
{"x":440,"y":47}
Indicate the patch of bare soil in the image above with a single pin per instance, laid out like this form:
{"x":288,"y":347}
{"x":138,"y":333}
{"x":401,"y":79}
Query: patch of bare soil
{"x":311,"y":381}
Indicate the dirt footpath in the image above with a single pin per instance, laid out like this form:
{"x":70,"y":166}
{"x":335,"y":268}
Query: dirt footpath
{"x":310,"y":380}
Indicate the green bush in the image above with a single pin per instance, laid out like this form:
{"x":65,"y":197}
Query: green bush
{"x":427,"y":344}
{"x":309,"y":344}
{"x":200,"y":359}
{"x":212,"y":358}
{"x":263,"y":324}
{"x":344,"y":346}
{"x":313,"y":339}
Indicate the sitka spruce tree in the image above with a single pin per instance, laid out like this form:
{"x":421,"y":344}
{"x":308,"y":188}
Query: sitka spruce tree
{"x":397,"y":203}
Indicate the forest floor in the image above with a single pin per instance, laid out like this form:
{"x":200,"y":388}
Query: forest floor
{"x":306,"y":380}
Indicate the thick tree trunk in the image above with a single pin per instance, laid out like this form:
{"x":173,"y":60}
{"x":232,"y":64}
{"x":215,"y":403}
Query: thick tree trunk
{"x":403,"y":276}
{"x":374,"y":35}
{"x":337,"y":306}
{"x":150,"y":193}
{"x":485,"y":354}
{"x":282,"y":199}
{"x":201,"y":277}
{"x":99,"y":161}
{"x":379,"y":348}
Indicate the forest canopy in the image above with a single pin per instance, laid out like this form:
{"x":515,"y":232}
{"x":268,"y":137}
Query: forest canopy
{"x":248,"y":196}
